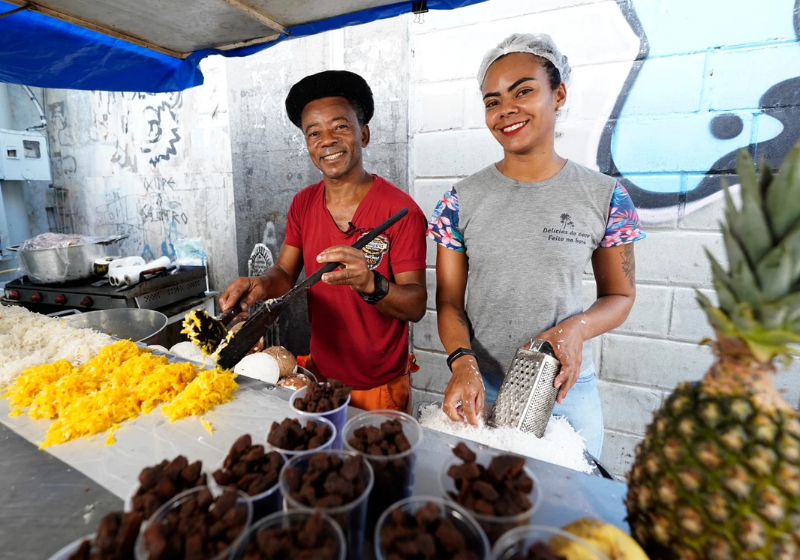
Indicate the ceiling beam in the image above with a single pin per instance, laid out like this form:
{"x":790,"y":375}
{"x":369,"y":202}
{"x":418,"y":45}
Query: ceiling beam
{"x":33,"y":7}
{"x":248,"y":43}
{"x":261,"y":17}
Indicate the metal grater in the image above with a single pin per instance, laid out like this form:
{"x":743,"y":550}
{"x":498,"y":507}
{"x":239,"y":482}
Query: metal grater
{"x":527,"y":397}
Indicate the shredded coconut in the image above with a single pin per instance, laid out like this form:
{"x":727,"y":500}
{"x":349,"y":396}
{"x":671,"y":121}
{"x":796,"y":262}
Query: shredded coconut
{"x":561,"y":444}
{"x":29,"y":339}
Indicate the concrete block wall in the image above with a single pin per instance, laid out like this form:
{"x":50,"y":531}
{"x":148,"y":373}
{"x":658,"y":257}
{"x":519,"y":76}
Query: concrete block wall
{"x":657,"y":99}
{"x":156,"y":167}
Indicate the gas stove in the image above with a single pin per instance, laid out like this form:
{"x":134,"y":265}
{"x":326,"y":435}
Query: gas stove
{"x":95,"y":293}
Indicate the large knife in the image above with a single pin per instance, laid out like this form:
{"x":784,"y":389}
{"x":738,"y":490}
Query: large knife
{"x":267,"y":313}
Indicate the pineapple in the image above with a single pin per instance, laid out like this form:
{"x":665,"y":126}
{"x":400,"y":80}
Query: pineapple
{"x":718,"y":473}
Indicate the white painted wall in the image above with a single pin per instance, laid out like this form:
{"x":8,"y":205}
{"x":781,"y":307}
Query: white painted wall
{"x":156,"y":167}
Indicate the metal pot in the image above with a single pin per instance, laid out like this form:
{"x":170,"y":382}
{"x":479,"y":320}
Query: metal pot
{"x":63,"y":264}
{"x":139,"y":325}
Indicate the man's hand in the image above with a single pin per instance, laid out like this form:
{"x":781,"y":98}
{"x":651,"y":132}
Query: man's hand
{"x":245,"y":292}
{"x":567,"y":339}
{"x":353,"y":272}
{"x":466,"y":385}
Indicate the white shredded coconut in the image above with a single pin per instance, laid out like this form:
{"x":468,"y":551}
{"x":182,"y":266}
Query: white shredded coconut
{"x":561,"y":444}
{"x":29,"y":339}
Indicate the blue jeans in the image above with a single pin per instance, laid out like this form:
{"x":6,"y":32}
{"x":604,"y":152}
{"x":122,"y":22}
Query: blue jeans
{"x":581,"y":408}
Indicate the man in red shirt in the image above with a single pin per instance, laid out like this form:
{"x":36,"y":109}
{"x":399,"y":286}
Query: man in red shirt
{"x":359,"y":313}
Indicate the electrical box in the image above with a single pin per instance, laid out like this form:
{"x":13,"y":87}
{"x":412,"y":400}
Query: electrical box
{"x":23,"y":156}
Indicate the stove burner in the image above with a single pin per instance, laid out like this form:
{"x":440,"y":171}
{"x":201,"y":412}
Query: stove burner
{"x":96,"y":293}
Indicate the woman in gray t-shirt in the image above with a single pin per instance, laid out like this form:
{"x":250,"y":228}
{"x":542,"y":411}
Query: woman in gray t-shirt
{"x":524,"y":230}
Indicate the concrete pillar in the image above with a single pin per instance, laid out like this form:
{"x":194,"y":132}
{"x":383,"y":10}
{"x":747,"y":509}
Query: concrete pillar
{"x":5,"y":107}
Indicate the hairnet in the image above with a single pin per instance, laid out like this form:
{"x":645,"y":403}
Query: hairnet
{"x":538,"y":44}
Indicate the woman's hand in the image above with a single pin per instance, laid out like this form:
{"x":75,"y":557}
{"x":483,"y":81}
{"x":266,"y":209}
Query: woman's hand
{"x":466,"y":385}
{"x":567,"y":340}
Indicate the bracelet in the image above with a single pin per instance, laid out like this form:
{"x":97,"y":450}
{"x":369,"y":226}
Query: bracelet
{"x":457,"y":354}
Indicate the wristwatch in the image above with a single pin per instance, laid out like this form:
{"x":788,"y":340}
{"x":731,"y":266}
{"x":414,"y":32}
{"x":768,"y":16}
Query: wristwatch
{"x":381,"y":289}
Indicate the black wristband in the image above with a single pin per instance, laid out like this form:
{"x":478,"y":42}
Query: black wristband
{"x":457,"y":354}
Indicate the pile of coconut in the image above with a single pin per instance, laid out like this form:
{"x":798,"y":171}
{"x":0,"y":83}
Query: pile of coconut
{"x":274,"y":365}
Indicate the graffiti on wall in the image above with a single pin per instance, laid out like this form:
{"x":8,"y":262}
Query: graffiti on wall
{"x":736,"y":85}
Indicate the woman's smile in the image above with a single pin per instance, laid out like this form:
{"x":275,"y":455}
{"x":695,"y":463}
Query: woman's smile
{"x":512,"y":129}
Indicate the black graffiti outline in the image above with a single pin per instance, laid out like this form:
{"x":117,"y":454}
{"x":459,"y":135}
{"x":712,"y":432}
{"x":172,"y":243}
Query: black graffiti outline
{"x":156,"y":123}
{"x":772,"y":149}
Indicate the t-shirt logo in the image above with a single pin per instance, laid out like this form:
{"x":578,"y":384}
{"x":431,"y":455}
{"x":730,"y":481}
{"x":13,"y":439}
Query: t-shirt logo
{"x":375,"y":250}
{"x":566,"y":233}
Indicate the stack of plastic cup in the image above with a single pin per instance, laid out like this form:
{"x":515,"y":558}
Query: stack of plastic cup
{"x":394,"y":474}
{"x":514,"y":545}
{"x":474,"y":536}
{"x":494,"y":526}
{"x":287,"y":519}
{"x":304,"y":420}
{"x":337,"y":416}
{"x":158,"y":517}
{"x":351,"y":517}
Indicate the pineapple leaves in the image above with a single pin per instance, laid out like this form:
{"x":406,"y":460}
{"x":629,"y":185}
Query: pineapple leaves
{"x":722,"y":284}
{"x":766,"y":177}
{"x":775,"y":273}
{"x":766,"y":345}
{"x":783,"y":194}
{"x":792,"y":244}
{"x":742,"y":280}
{"x":748,"y":225}
{"x":718,"y":319}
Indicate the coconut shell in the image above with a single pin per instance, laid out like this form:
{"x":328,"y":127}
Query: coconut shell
{"x":259,"y":346}
{"x":294,"y":382}
{"x":286,"y":360}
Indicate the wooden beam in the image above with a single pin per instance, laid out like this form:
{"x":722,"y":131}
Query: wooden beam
{"x":256,"y":15}
{"x":96,"y":27}
{"x":248,"y":43}
{"x":14,"y":11}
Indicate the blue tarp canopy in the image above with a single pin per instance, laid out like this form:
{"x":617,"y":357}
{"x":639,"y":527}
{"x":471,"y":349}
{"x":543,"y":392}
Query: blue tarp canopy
{"x":157,"y":45}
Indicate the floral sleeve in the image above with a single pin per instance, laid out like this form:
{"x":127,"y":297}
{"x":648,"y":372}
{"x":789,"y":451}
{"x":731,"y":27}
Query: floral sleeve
{"x":623,"y":222}
{"x":443,"y":227}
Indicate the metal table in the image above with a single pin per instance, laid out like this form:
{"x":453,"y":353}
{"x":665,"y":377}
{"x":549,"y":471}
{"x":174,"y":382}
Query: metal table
{"x":55,"y":496}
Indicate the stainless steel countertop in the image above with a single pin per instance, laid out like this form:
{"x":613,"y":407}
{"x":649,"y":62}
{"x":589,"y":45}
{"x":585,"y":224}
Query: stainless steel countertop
{"x":39,"y":486}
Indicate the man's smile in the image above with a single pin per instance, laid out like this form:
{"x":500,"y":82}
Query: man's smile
{"x":332,"y":157}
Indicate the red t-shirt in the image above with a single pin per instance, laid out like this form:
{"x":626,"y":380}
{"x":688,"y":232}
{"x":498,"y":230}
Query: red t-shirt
{"x":350,"y":339}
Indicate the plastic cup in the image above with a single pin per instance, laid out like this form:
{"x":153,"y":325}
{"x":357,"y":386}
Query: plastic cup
{"x":351,"y":517}
{"x":514,"y":544}
{"x":266,"y":503}
{"x":337,"y":416}
{"x":286,"y":519}
{"x":304,"y":420}
{"x":140,"y":553}
{"x":495,"y":526}
{"x":128,"y":503}
{"x":462,"y":520}
{"x":71,"y":548}
{"x":394,"y":474}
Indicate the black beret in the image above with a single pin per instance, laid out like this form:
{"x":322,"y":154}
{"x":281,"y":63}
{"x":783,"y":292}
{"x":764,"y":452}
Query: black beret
{"x":331,"y":83}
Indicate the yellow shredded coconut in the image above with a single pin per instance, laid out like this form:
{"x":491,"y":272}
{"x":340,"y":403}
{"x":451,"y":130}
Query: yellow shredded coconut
{"x":210,"y":388}
{"x":111,"y":440}
{"x":120,"y":383}
{"x":207,"y":425}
